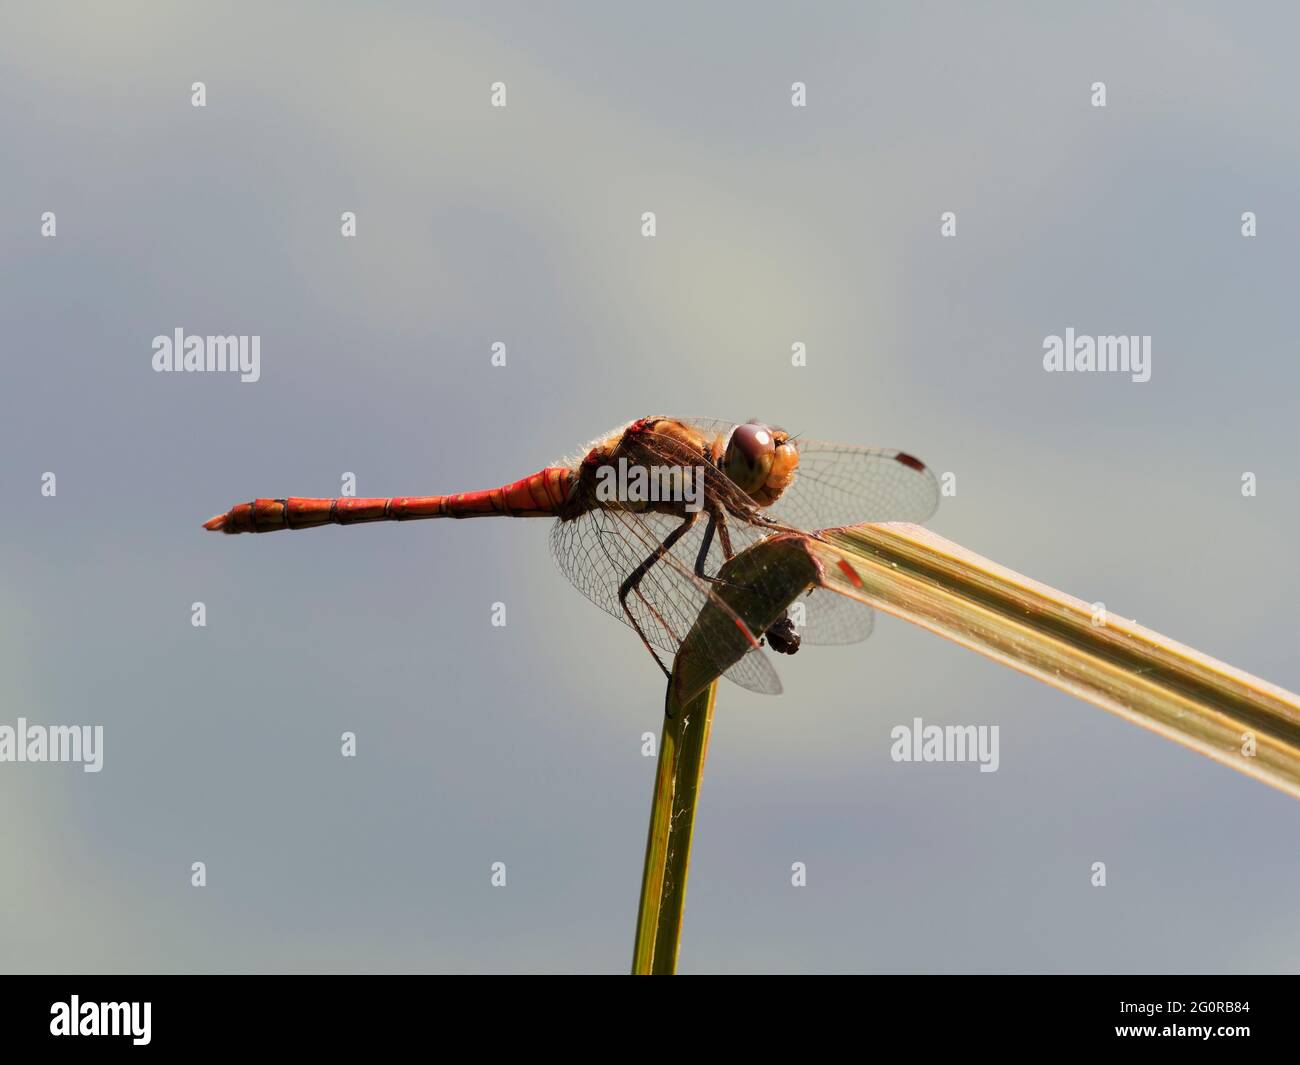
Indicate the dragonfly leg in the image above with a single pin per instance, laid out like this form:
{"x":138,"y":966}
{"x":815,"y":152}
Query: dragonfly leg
{"x":724,"y":534}
{"x":705,"y":545}
{"x":781,"y":635}
{"x":718,"y":522}
{"x":637,"y":575}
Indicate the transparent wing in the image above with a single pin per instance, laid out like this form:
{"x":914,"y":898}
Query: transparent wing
{"x":713,"y":428}
{"x":599,"y":549}
{"x":835,"y":485}
{"x":822,"y":617}
{"x":838,"y":484}
{"x":841,"y":484}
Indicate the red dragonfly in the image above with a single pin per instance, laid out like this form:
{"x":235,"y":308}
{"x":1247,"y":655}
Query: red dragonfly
{"x":648,"y":514}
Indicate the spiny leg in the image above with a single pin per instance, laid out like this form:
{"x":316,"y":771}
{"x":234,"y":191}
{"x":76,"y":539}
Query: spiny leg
{"x":781,"y":635}
{"x":637,"y":575}
{"x":724,"y":534}
{"x":718,"y":522}
{"x":705,"y":545}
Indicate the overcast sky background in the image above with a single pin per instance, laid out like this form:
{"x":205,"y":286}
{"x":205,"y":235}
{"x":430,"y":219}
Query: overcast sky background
{"x":478,"y":744}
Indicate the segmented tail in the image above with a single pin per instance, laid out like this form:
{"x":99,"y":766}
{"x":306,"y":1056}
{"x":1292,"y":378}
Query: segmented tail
{"x":540,"y":495}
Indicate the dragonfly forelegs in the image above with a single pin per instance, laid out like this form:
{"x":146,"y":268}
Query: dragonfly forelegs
{"x":637,"y":575}
{"x":705,"y":544}
{"x":781,"y":635}
{"x":718,"y":522}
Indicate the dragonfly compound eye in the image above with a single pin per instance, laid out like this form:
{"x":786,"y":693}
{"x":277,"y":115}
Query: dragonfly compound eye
{"x":748,"y":460}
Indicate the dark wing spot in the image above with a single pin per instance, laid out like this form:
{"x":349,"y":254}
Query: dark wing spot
{"x":850,"y":573}
{"x":910,"y":461}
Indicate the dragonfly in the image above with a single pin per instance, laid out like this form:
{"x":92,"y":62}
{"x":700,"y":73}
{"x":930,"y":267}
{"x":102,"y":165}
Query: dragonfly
{"x":648,"y":514}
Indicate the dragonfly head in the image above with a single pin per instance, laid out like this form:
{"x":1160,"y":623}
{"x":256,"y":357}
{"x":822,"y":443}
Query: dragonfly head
{"x":760,"y":460}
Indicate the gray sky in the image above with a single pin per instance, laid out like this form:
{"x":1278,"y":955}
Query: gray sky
{"x":775,"y":225}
